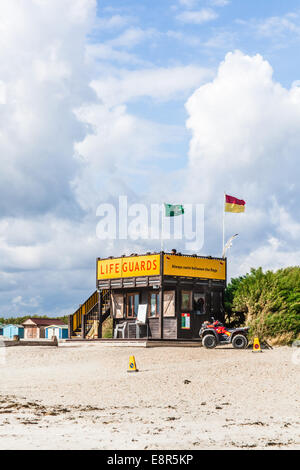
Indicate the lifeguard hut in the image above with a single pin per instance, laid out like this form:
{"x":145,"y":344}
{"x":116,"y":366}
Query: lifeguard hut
{"x":177,"y":292}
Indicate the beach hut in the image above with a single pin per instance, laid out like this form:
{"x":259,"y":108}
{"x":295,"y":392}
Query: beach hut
{"x":60,"y":331}
{"x":9,"y":331}
{"x":35,"y":327}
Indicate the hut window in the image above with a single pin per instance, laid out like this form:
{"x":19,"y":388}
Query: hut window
{"x":117,"y":304}
{"x":186,"y":300}
{"x":154,"y":305}
{"x":133,"y":301}
{"x":169,"y":303}
{"x":199,"y":303}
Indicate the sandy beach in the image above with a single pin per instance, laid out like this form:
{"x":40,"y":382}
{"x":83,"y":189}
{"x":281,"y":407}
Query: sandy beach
{"x":80,"y":396}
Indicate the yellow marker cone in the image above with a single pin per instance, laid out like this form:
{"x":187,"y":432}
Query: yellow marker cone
{"x":132,"y":365}
{"x":256,"y":345}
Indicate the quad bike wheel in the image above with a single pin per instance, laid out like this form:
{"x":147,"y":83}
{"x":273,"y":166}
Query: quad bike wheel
{"x":240,"y":342}
{"x":209,"y":341}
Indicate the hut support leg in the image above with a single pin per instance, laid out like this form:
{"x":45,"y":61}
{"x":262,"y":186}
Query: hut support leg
{"x":100,"y":302}
{"x":161,"y":314}
{"x":70,"y":324}
{"x":83,"y":326}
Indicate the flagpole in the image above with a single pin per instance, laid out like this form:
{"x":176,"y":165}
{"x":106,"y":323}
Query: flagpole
{"x":224,"y":222}
{"x":162,"y":228}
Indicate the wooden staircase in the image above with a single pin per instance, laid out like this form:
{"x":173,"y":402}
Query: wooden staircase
{"x":88,"y":313}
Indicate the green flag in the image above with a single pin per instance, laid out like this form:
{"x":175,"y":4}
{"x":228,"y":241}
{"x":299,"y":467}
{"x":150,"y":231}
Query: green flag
{"x":172,"y":210}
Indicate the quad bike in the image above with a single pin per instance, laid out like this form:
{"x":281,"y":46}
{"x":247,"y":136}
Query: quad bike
{"x":215,"y":333}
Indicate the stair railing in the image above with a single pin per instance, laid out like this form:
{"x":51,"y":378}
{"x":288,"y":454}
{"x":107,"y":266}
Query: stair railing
{"x":88,"y":306}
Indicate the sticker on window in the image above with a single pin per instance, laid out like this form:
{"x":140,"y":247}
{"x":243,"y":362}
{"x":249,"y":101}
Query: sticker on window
{"x":185,"y":321}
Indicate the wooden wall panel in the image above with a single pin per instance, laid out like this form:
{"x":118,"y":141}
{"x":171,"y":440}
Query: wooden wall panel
{"x":154,"y":328}
{"x":170,"y":328}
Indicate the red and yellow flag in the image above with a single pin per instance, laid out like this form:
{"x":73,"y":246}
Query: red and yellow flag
{"x":232,"y":204}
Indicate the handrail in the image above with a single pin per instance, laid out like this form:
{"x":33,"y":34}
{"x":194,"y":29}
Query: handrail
{"x":86,"y":308}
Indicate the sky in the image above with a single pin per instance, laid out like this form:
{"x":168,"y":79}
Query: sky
{"x":164,"y":101}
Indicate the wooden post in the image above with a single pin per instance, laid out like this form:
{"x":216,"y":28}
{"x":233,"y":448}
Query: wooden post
{"x":161,"y":313}
{"x":70,"y":326}
{"x":100,"y":304}
{"x":161,"y":298}
{"x":178,"y":310}
{"x":83,"y":326}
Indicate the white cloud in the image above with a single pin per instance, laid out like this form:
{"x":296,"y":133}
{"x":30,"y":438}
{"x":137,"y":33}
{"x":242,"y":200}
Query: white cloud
{"x":131,"y":37}
{"x":31,"y":302}
{"x":281,"y":30}
{"x":246,"y":140}
{"x":279,"y":25}
{"x":221,"y":40}
{"x":117,"y":49}
{"x":271,"y":255}
{"x":158,"y":83}
{"x":122,"y":146}
{"x":195,"y":3}
{"x":197,"y":17}
{"x":220,"y":3}
{"x":113,"y":22}
{"x":43,"y":77}
{"x":2,"y":93}
{"x":46,"y":263}
{"x":107,"y":53}
{"x":189,"y":3}
{"x":287,"y":226}
{"x":119,"y":151}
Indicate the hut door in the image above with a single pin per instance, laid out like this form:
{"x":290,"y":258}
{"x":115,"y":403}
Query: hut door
{"x":31,"y":332}
{"x":217,"y":305}
{"x":56,"y":332}
{"x":198,"y":313}
{"x":53,"y":332}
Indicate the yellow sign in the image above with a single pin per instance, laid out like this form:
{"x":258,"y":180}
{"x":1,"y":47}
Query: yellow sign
{"x":256,"y":345}
{"x":190,"y":266}
{"x":132,"y":365}
{"x":133,"y":266}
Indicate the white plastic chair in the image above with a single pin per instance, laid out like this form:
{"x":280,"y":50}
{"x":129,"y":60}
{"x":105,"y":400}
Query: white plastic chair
{"x":121,"y":327}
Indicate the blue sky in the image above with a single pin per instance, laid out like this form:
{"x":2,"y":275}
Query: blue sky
{"x":236,"y":24}
{"x":175,"y":101}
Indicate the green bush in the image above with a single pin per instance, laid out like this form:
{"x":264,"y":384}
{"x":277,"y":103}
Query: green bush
{"x":107,"y":328}
{"x":267,"y":302}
